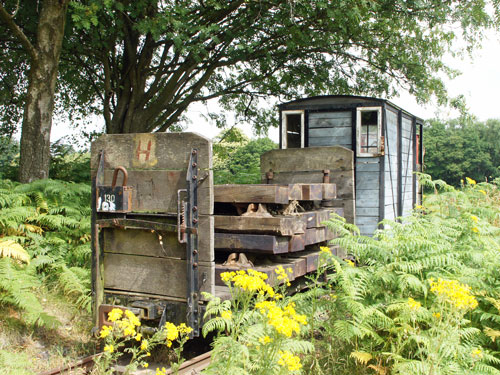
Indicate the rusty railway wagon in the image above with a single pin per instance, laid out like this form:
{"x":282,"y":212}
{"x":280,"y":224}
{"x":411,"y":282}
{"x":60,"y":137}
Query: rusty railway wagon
{"x":162,"y":233}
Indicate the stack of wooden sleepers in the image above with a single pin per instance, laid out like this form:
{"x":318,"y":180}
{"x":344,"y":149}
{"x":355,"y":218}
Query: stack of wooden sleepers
{"x":266,"y":226}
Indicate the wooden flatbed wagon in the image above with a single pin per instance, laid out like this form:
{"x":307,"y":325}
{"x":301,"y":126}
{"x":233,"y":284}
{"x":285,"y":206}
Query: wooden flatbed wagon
{"x":166,"y":233}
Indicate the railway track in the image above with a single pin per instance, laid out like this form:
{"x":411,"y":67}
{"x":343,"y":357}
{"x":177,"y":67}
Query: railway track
{"x":193,"y":366}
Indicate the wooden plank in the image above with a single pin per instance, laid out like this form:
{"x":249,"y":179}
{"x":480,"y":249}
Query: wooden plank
{"x":362,"y":220}
{"x":329,"y":191}
{"x":334,"y":131}
{"x":159,"y":244}
{"x":329,"y":122}
{"x":330,"y":115}
{"x":367,"y":180}
{"x":156,"y":191}
{"x":162,"y":276}
{"x":156,"y":165}
{"x":283,"y":225}
{"x":295,"y":192}
{"x":297,"y":242}
{"x":367,"y":211}
{"x":311,"y":257}
{"x":298,"y":265}
{"x":312,"y":192}
{"x":307,"y":165}
{"x":367,"y":166}
{"x":251,"y":194}
{"x":344,"y":180}
{"x":307,"y":159}
{"x":258,"y":243}
{"x":314,"y":219}
{"x":368,"y":200}
{"x":329,"y":141}
{"x":314,"y":236}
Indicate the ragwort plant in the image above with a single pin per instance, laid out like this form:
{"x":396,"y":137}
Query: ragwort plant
{"x":424,"y":299}
{"x":259,"y":329}
{"x":123,"y":336}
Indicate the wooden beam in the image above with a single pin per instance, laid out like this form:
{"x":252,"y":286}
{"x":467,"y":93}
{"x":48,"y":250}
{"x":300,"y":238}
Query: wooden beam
{"x":282,"y":225}
{"x":311,"y":257}
{"x":312,"y":192}
{"x":162,"y":276}
{"x":329,"y":191}
{"x":251,"y":194}
{"x":314,"y":236}
{"x":296,"y":242}
{"x":255,"y":243}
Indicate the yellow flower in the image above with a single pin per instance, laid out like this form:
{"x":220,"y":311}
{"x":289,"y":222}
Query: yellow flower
{"x":475,"y":229}
{"x":456,"y":294}
{"x":105,"y":331}
{"x":226,"y":315}
{"x":109,"y":348}
{"x":419,"y":207}
{"x":470,"y":181}
{"x":144,"y":344}
{"x":148,"y":354}
{"x":474,"y":218}
{"x":115,"y":314}
{"x":282,"y":276}
{"x":172,"y":331}
{"x":325,"y":250}
{"x":482,"y":191}
{"x":184,"y":329}
{"x":477,"y":353}
{"x":436,"y":315}
{"x":253,"y":281}
{"x":287,"y":359}
{"x":138,"y":337}
{"x":350,"y":262}
{"x":414,"y":305}
{"x":145,"y":365}
{"x":285,"y":321}
{"x":265,"y":340}
{"x":163,"y":371}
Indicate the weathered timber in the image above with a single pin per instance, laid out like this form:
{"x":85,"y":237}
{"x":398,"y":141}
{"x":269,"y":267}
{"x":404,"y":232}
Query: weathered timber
{"x":314,"y":219}
{"x":312,"y":192}
{"x":162,"y":276}
{"x":156,"y":165}
{"x":296,"y":242}
{"x":282,"y":225}
{"x":314,"y":236}
{"x":295,"y":192}
{"x":251,"y":194}
{"x":311,"y":257}
{"x":329,"y":191}
{"x":256,"y":243}
{"x":158,"y":243}
{"x":307,"y":165}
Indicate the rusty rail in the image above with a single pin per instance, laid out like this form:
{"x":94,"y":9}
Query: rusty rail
{"x":191,"y":367}
{"x":85,"y":363}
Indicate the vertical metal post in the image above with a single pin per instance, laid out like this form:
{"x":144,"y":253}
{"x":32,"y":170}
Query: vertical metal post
{"x":191,"y":215}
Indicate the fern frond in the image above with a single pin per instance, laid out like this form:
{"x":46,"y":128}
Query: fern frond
{"x":11,"y":249}
{"x":361,"y":357}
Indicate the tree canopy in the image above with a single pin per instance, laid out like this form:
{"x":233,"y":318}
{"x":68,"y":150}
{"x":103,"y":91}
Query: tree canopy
{"x":457,"y":149}
{"x":146,"y":62}
{"x":237,"y":158}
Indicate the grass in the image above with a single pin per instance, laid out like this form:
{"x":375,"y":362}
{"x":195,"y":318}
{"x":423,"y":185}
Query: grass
{"x":28,"y":350}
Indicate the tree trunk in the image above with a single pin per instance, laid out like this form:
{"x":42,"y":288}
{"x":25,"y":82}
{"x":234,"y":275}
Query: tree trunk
{"x":39,"y":106}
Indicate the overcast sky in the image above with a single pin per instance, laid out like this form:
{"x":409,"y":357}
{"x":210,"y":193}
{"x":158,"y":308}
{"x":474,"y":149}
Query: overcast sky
{"x":479,"y":83}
